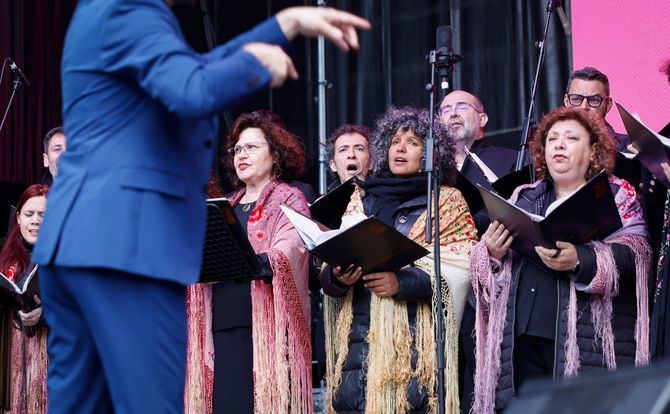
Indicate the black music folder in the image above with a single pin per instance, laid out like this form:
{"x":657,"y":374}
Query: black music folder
{"x":588,"y":214}
{"x":330,"y":207}
{"x":22,"y":291}
{"x":370,"y":244}
{"x":227,"y":254}
{"x":653,"y":148}
{"x":503,"y":186}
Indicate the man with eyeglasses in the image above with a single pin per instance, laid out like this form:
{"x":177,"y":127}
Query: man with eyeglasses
{"x":589,"y":89}
{"x":465,"y":118}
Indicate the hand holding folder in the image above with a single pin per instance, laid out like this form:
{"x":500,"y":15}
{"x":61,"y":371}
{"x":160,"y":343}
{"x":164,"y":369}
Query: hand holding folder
{"x":368,"y":243}
{"x":588,"y":214}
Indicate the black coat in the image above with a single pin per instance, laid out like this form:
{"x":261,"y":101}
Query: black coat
{"x":415,"y":287}
{"x":623,"y":319}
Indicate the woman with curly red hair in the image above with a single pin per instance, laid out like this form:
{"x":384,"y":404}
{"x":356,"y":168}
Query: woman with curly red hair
{"x":560,"y":321}
{"x":260,"y":332}
{"x":28,"y":339}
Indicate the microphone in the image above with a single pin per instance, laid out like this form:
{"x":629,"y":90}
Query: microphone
{"x":563,"y":17}
{"x":17,"y":72}
{"x":445,"y":56}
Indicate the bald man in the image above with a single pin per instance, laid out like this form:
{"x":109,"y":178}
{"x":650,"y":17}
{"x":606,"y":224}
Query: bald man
{"x":465,"y":118}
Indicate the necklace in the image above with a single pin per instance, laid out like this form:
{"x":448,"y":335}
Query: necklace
{"x":248,"y":206}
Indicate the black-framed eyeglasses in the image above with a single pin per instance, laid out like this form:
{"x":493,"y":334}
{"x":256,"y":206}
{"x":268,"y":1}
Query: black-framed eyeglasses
{"x":594,"y":101}
{"x":459,"y":107}
{"x":249,"y":148}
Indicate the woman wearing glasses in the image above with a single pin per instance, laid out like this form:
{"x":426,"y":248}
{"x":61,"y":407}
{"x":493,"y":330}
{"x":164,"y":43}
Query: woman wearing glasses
{"x":257,"y":327}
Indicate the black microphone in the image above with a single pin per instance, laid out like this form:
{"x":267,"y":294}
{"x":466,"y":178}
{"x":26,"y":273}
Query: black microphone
{"x":445,"y":56}
{"x":563,"y":17}
{"x":17,"y":72}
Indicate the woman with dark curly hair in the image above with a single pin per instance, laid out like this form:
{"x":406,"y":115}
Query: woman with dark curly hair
{"x":535,"y":322}
{"x":260,"y":332}
{"x":379,"y":327}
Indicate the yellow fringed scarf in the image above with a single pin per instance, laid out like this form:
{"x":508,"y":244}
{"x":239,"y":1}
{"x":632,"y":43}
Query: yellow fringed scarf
{"x":389,"y":337}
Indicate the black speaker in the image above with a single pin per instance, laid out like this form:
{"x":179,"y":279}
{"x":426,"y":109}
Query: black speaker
{"x":626,"y":391}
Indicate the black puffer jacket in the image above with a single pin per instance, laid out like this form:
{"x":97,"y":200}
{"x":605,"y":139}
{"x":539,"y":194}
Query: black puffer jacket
{"x":590,"y":352}
{"x":415,"y":287}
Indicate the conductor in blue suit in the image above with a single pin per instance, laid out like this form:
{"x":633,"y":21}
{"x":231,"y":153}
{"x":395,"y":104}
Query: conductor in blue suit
{"x":123,"y":234}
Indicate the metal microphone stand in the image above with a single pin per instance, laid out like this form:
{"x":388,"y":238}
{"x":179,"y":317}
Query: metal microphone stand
{"x":446,"y":62}
{"x":15,"y":87}
{"x":528,"y":121}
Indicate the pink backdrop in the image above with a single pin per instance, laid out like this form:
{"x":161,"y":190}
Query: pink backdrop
{"x":628,"y":41}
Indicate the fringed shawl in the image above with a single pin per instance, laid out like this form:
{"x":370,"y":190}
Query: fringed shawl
{"x":280,"y":312}
{"x":389,"y":369}
{"x":492,"y":293}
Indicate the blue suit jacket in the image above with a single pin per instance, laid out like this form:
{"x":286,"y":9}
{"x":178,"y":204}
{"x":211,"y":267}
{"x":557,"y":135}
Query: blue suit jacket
{"x":139,"y":111}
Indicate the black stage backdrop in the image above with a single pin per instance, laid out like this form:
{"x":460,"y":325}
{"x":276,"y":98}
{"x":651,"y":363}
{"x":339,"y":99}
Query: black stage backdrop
{"x":497,"y":39}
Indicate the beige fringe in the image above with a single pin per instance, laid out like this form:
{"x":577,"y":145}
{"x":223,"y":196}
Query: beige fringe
{"x":338,"y":316}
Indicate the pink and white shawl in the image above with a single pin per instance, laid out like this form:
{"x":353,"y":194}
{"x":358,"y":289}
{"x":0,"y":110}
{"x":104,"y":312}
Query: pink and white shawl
{"x":280,"y":314}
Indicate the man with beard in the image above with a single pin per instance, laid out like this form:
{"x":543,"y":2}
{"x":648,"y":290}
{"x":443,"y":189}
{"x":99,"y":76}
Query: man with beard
{"x":464,"y":116}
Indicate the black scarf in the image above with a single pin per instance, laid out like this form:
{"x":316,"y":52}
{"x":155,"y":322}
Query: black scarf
{"x":387,"y":194}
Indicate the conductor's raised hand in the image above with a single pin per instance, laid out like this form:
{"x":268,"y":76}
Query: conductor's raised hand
{"x":335,"y":25}
{"x":497,"y":240}
{"x":274,"y":60}
{"x":382,"y":284}
{"x":348,"y":277}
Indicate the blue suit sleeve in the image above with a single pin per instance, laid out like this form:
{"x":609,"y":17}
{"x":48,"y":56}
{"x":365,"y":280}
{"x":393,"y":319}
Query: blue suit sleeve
{"x":143,"y":43}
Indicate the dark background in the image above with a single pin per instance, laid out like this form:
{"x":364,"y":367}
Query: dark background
{"x":496,"y":38}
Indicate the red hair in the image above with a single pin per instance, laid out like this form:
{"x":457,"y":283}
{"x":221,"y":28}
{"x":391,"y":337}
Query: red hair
{"x":286,"y":148}
{"x":14,"y":252}
{"x":604,"y":147}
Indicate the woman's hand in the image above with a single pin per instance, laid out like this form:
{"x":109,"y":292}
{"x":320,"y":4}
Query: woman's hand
{"x":33,"y":317}
{"x":348,"y":277}
{"x":562,"y":259}
{"x":666,"y":170}
{"x":382,"y":284}
{"x":497,"y":240}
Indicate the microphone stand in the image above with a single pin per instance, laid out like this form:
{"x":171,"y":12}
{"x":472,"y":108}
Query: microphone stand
{"x":15,"y":87}
{"x":528,"y":121}
{"x":438,"y":61}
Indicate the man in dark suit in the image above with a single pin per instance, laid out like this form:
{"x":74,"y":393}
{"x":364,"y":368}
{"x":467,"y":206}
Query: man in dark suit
{"x":124,"y":231}
{"x":463,"y":114}
{"x":55,"y":144}
{"x":465,"y":118}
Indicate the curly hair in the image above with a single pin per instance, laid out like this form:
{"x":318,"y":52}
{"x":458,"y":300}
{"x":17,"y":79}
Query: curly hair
{"x":346,"y":129}
{"x":403,"y":119}
{"x":286,"y":148}
{"x":604,"y":147}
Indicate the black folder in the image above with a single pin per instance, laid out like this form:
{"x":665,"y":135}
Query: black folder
{"x":227,"y":254}
{"x":652,"y":151}
{"x":330,"y":207}
{"x":370,"y":244}
{"x":503,"y":186}
{"x":23,"y":290}
{"x":588,"y":214}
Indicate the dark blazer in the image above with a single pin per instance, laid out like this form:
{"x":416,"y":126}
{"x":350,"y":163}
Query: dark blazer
{"x":140,"y":117}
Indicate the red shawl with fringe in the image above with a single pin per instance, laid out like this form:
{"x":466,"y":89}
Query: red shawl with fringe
{"x":280,"y":314}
